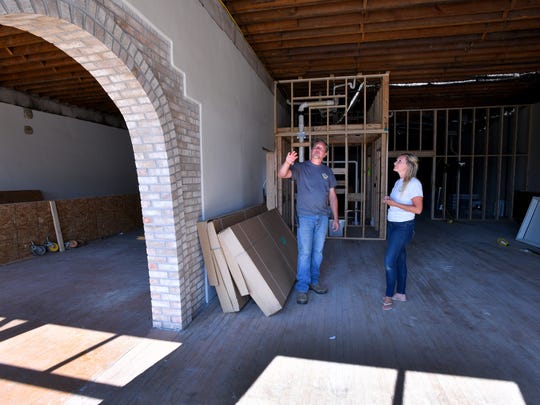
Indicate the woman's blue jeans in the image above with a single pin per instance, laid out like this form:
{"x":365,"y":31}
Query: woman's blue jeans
{"x":311,"y":234}
{"x":395,"y":259}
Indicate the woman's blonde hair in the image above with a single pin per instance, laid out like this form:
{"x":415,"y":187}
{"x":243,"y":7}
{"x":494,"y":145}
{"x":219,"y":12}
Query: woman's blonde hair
{"x":412,"y":168}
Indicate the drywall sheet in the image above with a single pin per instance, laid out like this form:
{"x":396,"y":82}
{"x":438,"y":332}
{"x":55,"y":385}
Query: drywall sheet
{"x":261,"y":253}
{"x":529,"y":231}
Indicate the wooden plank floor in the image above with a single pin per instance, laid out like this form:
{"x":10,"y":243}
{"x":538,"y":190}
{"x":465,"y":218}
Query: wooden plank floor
{"x":75,"y":327}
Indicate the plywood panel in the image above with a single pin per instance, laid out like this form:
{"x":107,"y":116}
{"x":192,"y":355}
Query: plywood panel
{"x":21,"y":223}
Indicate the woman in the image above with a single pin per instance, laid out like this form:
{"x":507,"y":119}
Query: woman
{"x":404,"y":202}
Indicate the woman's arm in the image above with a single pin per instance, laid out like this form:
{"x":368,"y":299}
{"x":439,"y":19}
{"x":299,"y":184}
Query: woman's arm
{"x":415,"y":208}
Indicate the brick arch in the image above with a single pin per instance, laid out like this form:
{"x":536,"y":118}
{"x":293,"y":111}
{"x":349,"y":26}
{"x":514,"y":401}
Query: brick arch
{"x":112,"y":53}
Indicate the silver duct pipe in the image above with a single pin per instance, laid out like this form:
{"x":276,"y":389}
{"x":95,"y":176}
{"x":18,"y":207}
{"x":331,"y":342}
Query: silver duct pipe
{"x":301,"y":135}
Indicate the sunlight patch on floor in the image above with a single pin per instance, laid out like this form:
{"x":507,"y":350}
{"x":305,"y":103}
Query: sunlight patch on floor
{"x":40,"y":363}
{"x":443,"y":388}
{"x":10,"y":324}
{"x":295,"y":380}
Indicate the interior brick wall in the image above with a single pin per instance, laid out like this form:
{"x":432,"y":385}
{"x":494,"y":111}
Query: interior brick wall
{"x":131,"y":61}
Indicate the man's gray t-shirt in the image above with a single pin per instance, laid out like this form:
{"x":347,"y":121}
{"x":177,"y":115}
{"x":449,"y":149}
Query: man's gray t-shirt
{"x":313,"y":183}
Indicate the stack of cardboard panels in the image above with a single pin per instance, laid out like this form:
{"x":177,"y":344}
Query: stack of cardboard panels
{"x":217,"y":268}
{"x":261,"y":253}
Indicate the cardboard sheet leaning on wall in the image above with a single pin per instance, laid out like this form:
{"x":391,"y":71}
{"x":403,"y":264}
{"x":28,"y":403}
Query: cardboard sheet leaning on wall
{"x":261,"y":253}
{"x":217,"y":268}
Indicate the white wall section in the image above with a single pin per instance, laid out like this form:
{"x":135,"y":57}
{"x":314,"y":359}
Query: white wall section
{"x":236,"y":105}
{"x":64,"y":157}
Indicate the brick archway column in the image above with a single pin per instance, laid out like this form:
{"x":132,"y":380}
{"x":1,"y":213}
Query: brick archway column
{"x":164,"y":129}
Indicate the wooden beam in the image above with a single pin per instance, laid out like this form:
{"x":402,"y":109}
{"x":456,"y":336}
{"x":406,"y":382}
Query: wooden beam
{"x":57,"y":227}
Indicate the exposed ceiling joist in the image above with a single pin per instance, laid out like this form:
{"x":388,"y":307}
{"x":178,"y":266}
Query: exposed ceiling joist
{"x":466,"y":53}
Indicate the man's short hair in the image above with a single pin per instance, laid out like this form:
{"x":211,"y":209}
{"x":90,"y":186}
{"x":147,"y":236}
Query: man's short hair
{"x":319,"y":140}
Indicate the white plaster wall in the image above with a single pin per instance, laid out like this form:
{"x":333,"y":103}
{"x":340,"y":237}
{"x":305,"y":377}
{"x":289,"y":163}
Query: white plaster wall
{"x":236,"y":106}
{"x":64,"y":157}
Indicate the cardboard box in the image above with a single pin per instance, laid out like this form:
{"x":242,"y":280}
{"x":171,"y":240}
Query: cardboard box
{"x":261,"y":253}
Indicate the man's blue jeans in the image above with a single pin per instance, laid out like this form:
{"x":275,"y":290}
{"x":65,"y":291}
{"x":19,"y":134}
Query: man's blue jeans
{"x":395,"y":259}
{"x":311,"y":234}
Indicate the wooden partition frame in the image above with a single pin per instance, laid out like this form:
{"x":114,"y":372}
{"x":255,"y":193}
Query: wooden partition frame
{"x":351,"y":114}
{"x":478,"y":157}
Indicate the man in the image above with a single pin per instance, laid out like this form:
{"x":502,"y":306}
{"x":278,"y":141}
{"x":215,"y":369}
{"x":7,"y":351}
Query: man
{"x":316,"y":187}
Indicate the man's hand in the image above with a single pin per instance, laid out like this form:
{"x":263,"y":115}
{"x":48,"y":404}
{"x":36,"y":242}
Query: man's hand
{"x":291,"y":157}
{"x":335,"y":225}
{"x":284,"y":171}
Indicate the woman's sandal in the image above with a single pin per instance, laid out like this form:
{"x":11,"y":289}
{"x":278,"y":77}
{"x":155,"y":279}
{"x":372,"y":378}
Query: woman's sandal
{"x":399,"y":297}
{"x":387,"y":304}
